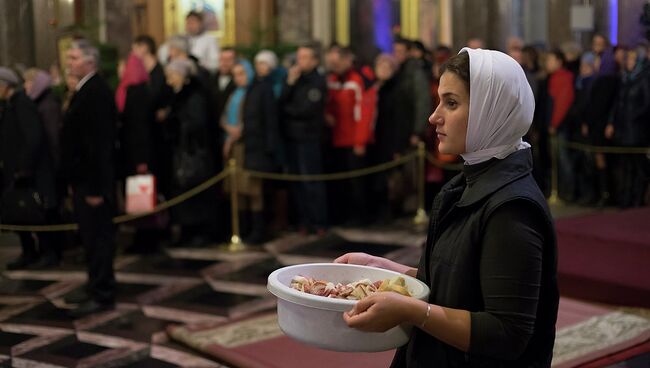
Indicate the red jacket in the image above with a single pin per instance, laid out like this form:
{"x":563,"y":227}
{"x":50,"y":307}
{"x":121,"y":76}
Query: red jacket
{"x":560,"y":88}
{"x":345,"y":105}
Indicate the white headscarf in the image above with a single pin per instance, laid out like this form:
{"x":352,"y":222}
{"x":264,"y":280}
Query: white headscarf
{"x":501,"y":106}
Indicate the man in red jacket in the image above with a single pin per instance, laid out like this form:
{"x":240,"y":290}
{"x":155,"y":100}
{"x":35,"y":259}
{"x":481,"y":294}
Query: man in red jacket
{"x":561,"y":95}
{"x":350,"y":132}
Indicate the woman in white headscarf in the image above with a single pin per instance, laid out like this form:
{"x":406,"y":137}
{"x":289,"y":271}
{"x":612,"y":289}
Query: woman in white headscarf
{"x":490,"y":259}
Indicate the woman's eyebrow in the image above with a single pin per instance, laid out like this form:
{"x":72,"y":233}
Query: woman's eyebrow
{"x":447,"y":94}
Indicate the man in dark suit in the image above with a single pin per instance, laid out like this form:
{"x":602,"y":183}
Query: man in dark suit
{"x":88,"y":158}
{"x":303,"y":111}
{"x":223,"y":84}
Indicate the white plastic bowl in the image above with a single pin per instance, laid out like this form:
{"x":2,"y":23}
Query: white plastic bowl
{"x":318,"y":321}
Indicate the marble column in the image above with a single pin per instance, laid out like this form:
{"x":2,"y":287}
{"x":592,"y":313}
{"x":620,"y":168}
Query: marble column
{"x":559,"y":22}
{"x":362,"y":31}
{"x":500,"y":24}
{"x":322,"y":28}
{"x":254,"y":22}
{"x":429,"y":23}
{"x":535,"y":21}
{"x":470,"y":20}
{"x":16,"y":33}
{"x":446,"y":36}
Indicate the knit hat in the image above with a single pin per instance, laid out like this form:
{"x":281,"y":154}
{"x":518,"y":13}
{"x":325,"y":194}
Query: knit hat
{"x":588,"y":58}
{"x":8,"y":76}
{"x":268,"y":57}
{"x":183,"y":67}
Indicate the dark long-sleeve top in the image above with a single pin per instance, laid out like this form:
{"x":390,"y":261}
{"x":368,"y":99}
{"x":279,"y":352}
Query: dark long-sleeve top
{"x":511,"y":275}
{"x":261,"y":133}
{"x":491,"y":251}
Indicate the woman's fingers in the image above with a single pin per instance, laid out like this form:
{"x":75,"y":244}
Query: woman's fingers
{"x":360,"y":315}
{"x":343,"y":259}
{"x":354,"y":258}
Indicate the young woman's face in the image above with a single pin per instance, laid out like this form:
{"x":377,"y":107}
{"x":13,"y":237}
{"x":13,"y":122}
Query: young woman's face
{"x":451,"y":116}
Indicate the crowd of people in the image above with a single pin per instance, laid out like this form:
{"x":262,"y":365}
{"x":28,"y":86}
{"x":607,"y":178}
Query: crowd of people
{"x":183,"y":111}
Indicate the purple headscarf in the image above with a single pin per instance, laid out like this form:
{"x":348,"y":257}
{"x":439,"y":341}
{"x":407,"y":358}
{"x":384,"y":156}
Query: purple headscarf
{"x":40,"y":83}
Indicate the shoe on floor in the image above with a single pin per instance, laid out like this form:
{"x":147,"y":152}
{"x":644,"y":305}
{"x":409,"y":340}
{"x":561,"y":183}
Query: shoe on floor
{"x":77,"y":297}
{"x":21,"y":263}
{"x":90,"y":307}
{"x":44,"y":263}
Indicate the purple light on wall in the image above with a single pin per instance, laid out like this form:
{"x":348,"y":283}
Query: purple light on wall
{"x":613,"y":21}
{"x":382,"y":19}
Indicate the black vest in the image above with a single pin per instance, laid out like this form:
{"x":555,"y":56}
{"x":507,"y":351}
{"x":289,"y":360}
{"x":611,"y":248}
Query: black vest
{"x":449,"y":262}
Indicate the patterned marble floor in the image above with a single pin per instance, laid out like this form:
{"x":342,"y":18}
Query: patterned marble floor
{"x":178,"y":287}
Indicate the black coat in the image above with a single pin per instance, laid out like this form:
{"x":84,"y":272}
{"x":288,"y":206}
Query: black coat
{"x":303,"y":107}
{"x":577,"y":113}
{"x":161,"y":93}
{"x":89,"y":134}
{"x":23,"y":148}
{"x":507,"y":280}
{"x":49,"y":109}
{"x":187,"y":127}
{"x":136,"y":129}
{"x":388,"y":140}
{"x":261,"y":131}
{"x":632,"y":114}
{"x":604,"y":90}
{"x":413,"y":102}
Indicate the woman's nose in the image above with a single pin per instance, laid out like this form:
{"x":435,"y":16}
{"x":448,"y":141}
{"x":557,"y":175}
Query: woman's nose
{"x":435,"y":119}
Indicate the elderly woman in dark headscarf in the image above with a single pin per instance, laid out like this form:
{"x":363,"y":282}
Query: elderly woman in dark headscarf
{"x":631,"y":128}
{"x":25,"y":165}
{"x":193,"y":161}
{"x":38,"y":86}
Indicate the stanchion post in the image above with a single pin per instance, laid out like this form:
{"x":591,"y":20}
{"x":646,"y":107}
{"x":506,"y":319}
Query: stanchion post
{"x":235,"y":244}
{"x":554,"y":174}
{"x":421,"y":215}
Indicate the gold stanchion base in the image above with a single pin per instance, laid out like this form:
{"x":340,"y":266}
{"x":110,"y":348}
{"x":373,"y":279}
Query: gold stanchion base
{"x":235,"y":245}
{"x":421,"y":217}
{"x":554,"y":199}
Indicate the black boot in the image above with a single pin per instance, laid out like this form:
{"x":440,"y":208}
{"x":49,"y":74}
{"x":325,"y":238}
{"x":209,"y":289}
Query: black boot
{"x":603,"y":188}
{"x":28,"y":255}
{"x":258,"y":232}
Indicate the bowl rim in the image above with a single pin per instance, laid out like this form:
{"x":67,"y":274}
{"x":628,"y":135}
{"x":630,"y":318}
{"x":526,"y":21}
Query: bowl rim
{"x":289,"y":294}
